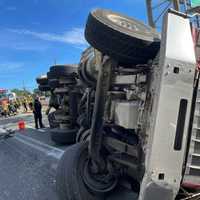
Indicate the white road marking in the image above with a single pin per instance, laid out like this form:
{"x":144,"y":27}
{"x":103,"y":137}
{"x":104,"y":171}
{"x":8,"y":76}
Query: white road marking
{"x":45,"y":148}
{"x":33,"y":143}
{"x":9,"y":126}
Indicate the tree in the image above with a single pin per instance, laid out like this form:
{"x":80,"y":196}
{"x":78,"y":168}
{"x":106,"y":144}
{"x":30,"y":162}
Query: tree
{"x":20,"y":92}
{"x":36,"y":91}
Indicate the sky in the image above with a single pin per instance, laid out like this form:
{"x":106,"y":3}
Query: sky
{"x":35,"y":34}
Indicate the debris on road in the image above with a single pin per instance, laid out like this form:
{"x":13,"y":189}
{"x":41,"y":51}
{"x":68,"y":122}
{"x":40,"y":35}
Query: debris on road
{"x":6,"y":133}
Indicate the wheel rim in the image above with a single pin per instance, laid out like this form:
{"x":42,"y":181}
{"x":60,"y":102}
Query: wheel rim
{"x":99,"y":184}
{"x":126,"y":23}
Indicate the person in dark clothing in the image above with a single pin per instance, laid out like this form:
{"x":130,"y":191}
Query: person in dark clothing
{"x":37,"y":111}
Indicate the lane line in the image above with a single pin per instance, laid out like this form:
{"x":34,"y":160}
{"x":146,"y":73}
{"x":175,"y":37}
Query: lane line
{"x":33,"y":143}
{"x":44,"y":148}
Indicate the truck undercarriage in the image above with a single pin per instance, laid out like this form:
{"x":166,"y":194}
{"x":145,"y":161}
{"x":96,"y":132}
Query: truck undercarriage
{"x":133,"y":112}
{"x":136,"y":137}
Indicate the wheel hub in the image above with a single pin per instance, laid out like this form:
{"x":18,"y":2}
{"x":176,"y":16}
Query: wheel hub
{"x":126,"y":23}
{"x":96,"y":182}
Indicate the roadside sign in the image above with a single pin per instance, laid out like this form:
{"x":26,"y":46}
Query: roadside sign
{"x":195,"y":3}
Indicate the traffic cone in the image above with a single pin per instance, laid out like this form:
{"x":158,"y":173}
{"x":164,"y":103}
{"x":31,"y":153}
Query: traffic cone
{"x":21,"y":125}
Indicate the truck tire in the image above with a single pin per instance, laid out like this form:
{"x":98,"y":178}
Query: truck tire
{"x":44,"y":88}
{"x":52,"y":120}
{"x":82,"y":78}
{"x":125,"y":39}
{"x":42,"y":80}
{"x":63,"y":136}
{"x":83,"y":135}
{"x":63,"y":70}
{"x":50,"y":75}
{"x":69,"y":180}
{"x":54,"y":83}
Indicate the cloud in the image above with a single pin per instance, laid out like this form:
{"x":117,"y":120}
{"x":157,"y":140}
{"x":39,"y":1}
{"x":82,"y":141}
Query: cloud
{"x":74,"y":36}
{"x":10,"y":67}
{"x":28,"y":47}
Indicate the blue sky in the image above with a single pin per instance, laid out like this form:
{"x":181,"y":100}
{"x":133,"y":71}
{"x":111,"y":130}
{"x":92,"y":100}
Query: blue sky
{"x":35,"y":33}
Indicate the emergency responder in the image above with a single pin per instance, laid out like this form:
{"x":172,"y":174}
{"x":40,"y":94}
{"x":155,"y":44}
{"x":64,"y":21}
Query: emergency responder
{"x":37,"y":111}
{"x":1,"y":110}
{"x":5,"y":108}
{"x":11,"y":108}
{"x":25,"y":105}
{"x":17,"y":106}
{"x":30,"y":102}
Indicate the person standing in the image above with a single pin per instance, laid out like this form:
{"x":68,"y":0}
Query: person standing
{"x":5,"y":108}
{"x":37,"y":111}
{"x":25,"y":105}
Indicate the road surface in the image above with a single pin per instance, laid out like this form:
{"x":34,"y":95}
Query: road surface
{"x":28,"y":162}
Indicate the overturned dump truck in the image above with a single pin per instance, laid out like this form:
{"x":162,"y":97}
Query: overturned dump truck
{"x":63,"y":78}
{"x":138,"y":111}
{"x":63,"y":83}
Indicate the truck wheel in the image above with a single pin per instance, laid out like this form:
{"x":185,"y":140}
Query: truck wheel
{"x":63,"y":70}
{"x":52,"y":120}
{"x":82,"y":77}
{"x":69,"y":181}
{"x":54,"y":83}
{"x":42,"y":80}
{"x":44,"y":88}
{"x":63,"y":136}
{"x":83,"y":135}
{"x":127,"y":40}
{"x":50,"y":75}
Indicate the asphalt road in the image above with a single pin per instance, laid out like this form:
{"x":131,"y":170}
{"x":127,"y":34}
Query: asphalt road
{"x":28,"y":162}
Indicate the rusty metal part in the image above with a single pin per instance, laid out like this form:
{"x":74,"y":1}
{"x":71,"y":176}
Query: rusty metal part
{"x":103,"y":84}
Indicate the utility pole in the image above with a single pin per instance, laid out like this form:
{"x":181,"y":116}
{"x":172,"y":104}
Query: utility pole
{"x":176,"y":4}
{"x":150,"y":13}
{"x":151,"y":9}
{"x":24,"y":88}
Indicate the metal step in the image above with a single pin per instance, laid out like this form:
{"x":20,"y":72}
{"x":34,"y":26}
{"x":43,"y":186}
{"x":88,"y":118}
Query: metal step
{"x":196,"y":127}
{"x":196,"y":140}
{"x":194,"y":172}
{"x":194,"y":161}
{"x":197,"y":114}
{"x":194,"y":167}
{"x":196,"y":154}
{"x":198,"y":101}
